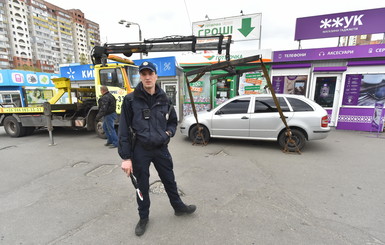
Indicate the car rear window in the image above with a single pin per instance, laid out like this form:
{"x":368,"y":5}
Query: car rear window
{"x":299,"y":105}
{"x":236,"y":106}
{"x":266,"y":104}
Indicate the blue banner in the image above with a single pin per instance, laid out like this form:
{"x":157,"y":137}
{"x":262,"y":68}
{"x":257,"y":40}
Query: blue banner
{"x":26,"y":78}
{"x":165,"y":66}
{"x":78,"y":72}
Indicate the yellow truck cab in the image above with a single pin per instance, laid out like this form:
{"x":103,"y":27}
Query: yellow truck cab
{"x":120,"y":78}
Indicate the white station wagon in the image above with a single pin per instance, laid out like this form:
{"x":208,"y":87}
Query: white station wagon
{"x":256,"y":117}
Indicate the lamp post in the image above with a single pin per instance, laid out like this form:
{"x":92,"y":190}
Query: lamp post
{"x":128,"y":24}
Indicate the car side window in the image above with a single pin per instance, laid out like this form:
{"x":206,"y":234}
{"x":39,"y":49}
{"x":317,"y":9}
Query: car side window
{"x":299,"y":105}
{"x":266,"y":104}
{"x":236,"y":106}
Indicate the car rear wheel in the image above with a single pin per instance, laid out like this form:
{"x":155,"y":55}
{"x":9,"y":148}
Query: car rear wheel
{"x":298,"y":140}
{"x":199,"y":138}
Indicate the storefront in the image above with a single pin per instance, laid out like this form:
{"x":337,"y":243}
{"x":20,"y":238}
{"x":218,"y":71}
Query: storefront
{"x":213,"y":89}
{"x":209,"y":91}
{"x":349,"y":82}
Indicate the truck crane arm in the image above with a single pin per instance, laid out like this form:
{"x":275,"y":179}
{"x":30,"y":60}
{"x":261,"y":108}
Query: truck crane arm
{"x":167,"y":44}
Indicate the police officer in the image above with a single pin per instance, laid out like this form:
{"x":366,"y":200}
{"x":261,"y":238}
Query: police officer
{"x":149,"y":114}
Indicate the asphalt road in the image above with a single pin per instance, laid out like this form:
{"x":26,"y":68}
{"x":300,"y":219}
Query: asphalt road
{"x":247,"y":192}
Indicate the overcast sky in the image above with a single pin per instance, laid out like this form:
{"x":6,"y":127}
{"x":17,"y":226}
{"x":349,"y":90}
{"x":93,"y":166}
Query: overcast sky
{"x":159,"y":18}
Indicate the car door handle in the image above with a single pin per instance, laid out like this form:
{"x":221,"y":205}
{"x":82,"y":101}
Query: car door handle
{"x":244,"y":117}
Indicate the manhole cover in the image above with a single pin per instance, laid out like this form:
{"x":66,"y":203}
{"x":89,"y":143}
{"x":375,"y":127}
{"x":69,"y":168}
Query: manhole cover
{"x":157,"y":187}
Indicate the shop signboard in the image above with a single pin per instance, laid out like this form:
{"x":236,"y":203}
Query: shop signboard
{"x":353,"y":23}
{"x":244,"y":27}
{"x":348,"y":52}
{"x":26,"y":78}
{"x":78,"y":72}
{"x":166,"y":66}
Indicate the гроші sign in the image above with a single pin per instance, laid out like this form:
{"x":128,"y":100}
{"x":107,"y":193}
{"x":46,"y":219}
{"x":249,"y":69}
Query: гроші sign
{"x":245,"y":27}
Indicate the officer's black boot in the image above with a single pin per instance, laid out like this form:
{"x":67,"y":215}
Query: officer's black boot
{"x":141,"y":227}
{"x":187,"y":209}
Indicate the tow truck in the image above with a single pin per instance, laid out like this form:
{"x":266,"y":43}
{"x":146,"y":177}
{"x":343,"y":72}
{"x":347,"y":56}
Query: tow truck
{"x":120,"y":77}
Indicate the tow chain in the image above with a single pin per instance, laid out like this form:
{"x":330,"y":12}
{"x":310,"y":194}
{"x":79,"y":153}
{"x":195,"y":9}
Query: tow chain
{"x":199,"y":134}
{"x":199,"y":137}
{"x":288,"y":132}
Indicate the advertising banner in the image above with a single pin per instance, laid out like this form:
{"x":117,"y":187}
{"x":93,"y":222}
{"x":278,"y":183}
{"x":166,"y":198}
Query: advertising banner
{"x":290,"y":84}
{"x":201,"y":95}
{"x":348,"y":52}
{"x":341,"y":24}
{"x":364,"y":89}
{"x":165,"y":66}
{"x":377,"y":122}
{"x":352,"y":89}
{"x":252,"y":83}
{"x":245,"y":27}
{"x":26,"y":78}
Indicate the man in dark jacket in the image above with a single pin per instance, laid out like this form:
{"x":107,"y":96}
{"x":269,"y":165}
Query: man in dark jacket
{"x":107,"y":109}
{"x":149,"y":114}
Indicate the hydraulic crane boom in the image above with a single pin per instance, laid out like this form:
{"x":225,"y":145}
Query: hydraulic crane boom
{"x":166,"y":44}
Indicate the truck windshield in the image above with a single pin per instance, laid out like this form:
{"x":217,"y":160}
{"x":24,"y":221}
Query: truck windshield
{"x":111,"y":77}
{"x":133,"y":75}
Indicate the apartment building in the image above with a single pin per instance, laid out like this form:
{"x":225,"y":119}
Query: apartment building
{"x":5,"y":45}
{"x":38,"y":34}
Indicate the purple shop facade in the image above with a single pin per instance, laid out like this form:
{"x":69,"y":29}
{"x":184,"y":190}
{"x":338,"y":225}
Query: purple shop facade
{"x":363,"y":81}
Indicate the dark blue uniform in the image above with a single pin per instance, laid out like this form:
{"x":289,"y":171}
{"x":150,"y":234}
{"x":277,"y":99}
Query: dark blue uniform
{"x":150,"y":116}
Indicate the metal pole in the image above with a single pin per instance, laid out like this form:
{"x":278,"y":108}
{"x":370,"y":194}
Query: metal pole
{"x":48,"y":116}
{"x":140,"y":40}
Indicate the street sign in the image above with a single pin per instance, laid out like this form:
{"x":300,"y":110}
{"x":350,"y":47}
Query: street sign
{"x":242,"y":28}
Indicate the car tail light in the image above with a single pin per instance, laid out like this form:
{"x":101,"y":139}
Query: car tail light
{"x":324,"y":121}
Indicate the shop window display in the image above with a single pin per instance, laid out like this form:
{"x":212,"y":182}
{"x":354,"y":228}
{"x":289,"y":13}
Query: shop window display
{"x":295,"y":84}
{"x":325,"y":90}
{"x":201,"y":95}
{"x":364,"y":89}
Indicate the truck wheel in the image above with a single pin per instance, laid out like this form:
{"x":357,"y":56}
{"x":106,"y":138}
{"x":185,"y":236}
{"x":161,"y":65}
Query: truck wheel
{"x":13,"y":128}
{"x":298,"y":138}
{"x":99,"y":130}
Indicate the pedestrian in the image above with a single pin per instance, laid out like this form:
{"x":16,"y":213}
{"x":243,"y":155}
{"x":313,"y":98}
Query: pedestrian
{"x":107,"y":109}
{"x":148,"y":113}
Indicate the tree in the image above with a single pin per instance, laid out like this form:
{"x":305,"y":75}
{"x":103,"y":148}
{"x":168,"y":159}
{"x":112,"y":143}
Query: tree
{"x":83,"y":59}
{"x":28,"y":68}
